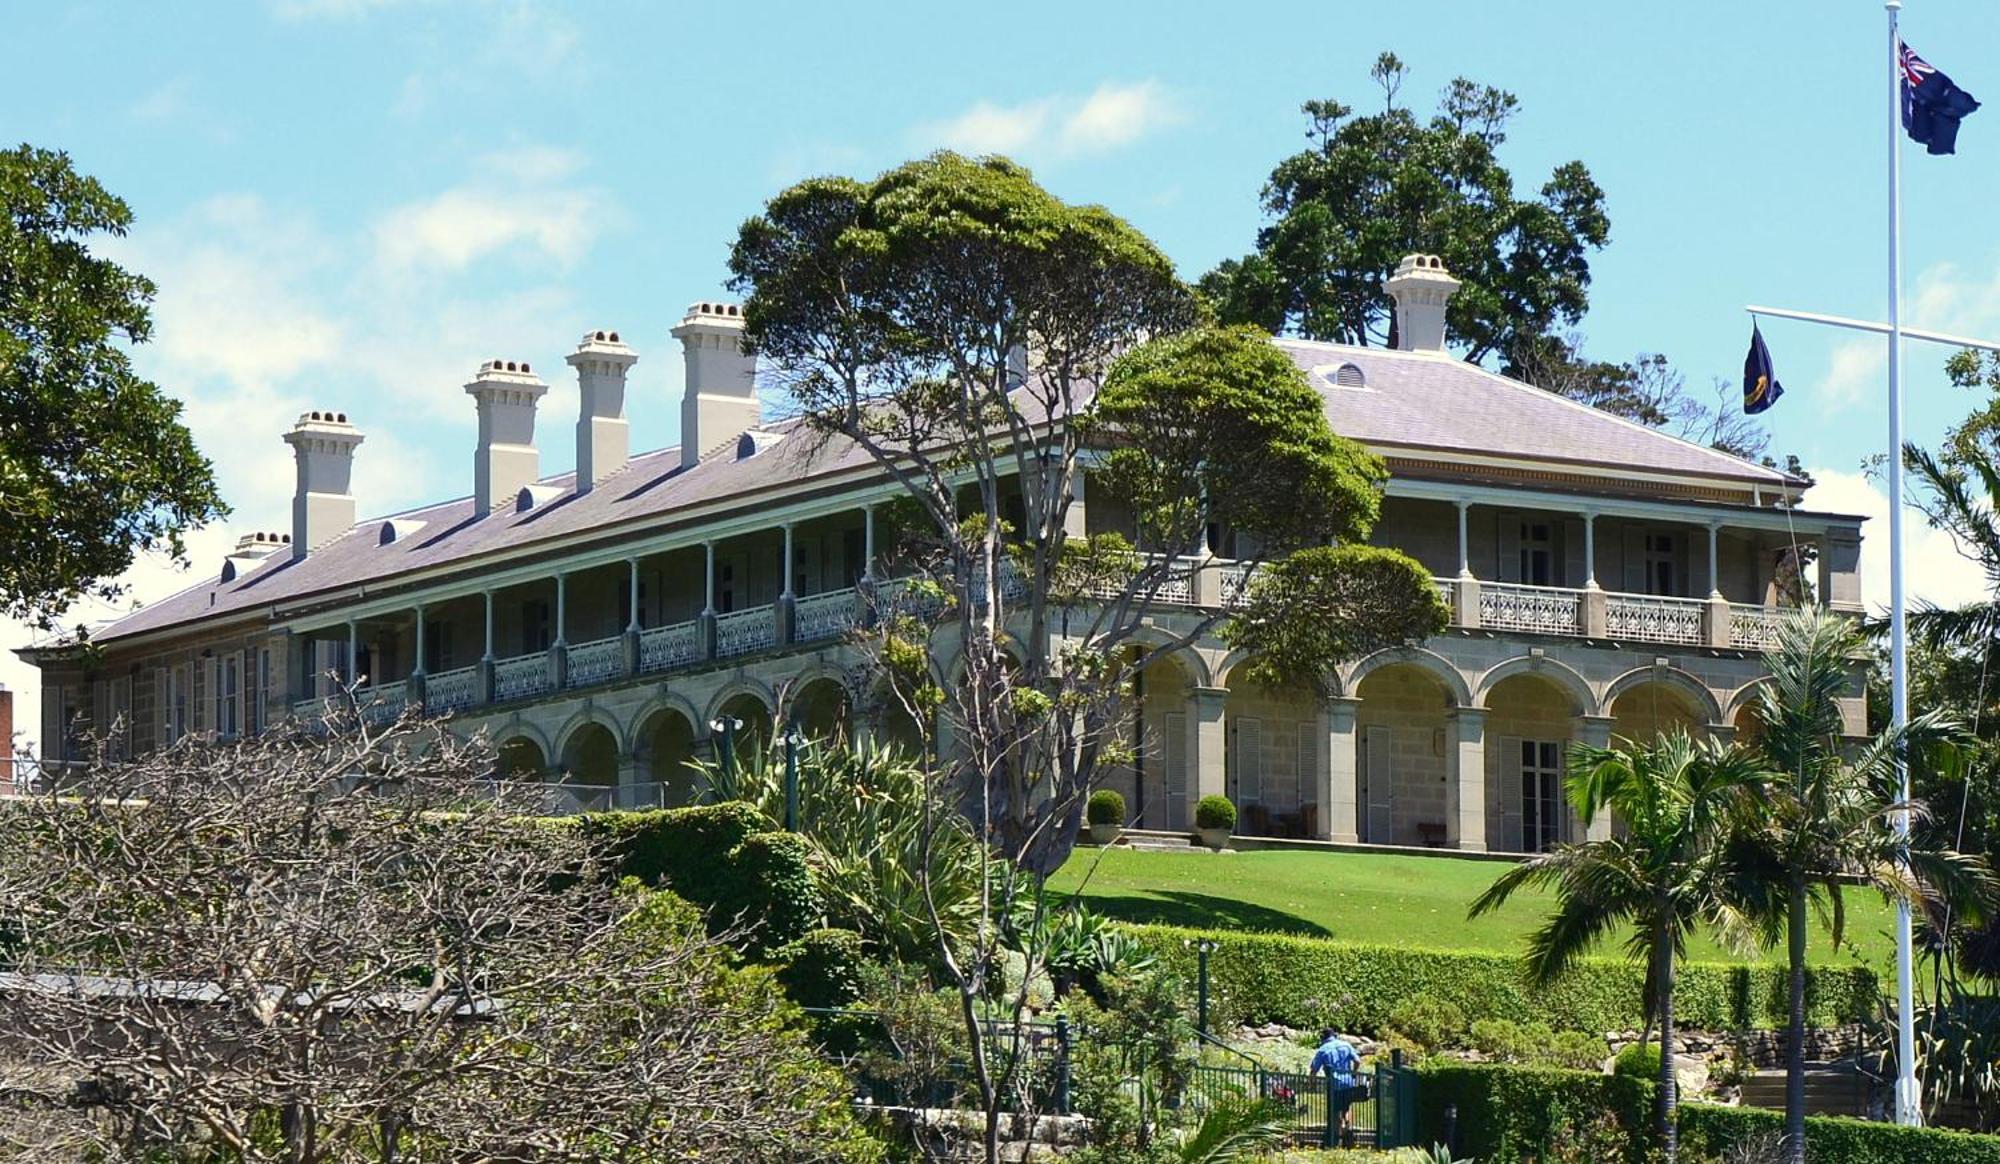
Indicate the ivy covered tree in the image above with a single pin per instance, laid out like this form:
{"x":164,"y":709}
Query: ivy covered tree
{"x":1371,"y":188}
{"x":95,"y":465}
{"x":983,"y":342}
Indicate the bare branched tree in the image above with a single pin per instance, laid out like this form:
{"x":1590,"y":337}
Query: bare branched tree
{"x":349,"y":944}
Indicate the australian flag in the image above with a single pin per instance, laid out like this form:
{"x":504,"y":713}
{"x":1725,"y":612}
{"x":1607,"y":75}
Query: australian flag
{"x":1932,"y":105}
{"x":1760,"y":386}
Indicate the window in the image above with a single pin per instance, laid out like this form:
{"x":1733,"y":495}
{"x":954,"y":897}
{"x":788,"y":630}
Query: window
{"x":177,"y":702}
{"x":725,"y":587}
{"x":535,"y":625}
{"x":1541,"y":795}
{"x":1661,"y":575}
{"x":438,"y":653}
{"x":1538,"y":555}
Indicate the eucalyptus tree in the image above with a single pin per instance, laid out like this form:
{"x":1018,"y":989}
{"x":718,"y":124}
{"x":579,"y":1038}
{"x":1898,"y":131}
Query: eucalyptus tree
{"x":1670,"y":870}
{"x":1830,"y":823}
{"x":984,"y":343}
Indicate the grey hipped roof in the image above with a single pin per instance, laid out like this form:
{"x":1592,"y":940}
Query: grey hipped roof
{"x":1405,"y":401}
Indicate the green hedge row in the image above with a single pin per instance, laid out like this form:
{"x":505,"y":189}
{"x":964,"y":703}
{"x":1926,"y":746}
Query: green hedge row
{"x":1310,"y":982}
{"x":726,"y":859}
{"x":1833,"y":1140}
{"x":1508,"y":1115}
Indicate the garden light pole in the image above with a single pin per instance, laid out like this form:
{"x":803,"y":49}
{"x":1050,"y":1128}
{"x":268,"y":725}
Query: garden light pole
{"x":792,"y":778}
{"x":725,"y":726}
{"x":1203,"y":947}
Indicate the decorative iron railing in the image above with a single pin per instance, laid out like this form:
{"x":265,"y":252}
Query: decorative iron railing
{"x":384,"y":701}
{"x":825,"y":616}
{"x":1546,"y":610}
{"x":596,"y":661}
{"x":1654,"y":618}
{"x":453,"y":689}
{"x":665,"y":647}
{"x":1234,"y":584}
{"x":1755,"y":628}
{"x":522,"y":676}
{"x":1447,"y":589}
{"x":741,"y":632}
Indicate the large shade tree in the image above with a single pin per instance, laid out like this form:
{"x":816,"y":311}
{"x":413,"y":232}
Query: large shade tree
{"x":1373,"y":187}
{"x":1671,"y":870}
{"x":95,"y":465}
{"x":984,"y":343}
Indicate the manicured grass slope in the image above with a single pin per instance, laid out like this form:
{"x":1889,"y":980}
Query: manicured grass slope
{"x":1418,"y":902}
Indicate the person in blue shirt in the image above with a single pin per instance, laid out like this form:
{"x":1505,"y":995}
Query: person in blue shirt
{"x":1341,"y":1063}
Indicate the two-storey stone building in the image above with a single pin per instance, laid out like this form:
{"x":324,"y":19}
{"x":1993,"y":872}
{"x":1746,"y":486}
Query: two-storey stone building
{"x":1605,"y":579}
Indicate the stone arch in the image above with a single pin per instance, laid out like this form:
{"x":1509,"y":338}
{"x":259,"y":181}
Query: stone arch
{"x":520,"y":757}
{"x":1184,"y":656}
{"x":1437,"y":666}
{"x":1220,"y":675}
{"x":1532,"y":715}
{"x":1271,"y":755}
{"x":1702,"y":699}
{"x":1404,"y":722}
{"x":566,"y":738}
{"x":1158,"y":783}
{"x":1560,"y":675}
{"x":1741,"y":700}
{"x":820,"y":704}
{"x":736,"y":690}
{"x":663,"y":744}
{"x":749,"y":702}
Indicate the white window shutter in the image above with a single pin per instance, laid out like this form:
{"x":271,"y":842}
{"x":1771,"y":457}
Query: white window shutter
{"x":1377,"y":741}
{"x":1511,"y":793}
{"x":1249,"y":761}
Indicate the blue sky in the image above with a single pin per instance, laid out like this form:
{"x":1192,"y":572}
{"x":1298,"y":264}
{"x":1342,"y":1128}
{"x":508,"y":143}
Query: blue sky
{"x":350,"y":203}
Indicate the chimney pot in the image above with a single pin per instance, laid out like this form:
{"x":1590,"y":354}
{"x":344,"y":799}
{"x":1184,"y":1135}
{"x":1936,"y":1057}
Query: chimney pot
{"x":720,"y":401}
{"x":1422,"y":289}
{"x":507,"y":394}
{"x":323,"y":445}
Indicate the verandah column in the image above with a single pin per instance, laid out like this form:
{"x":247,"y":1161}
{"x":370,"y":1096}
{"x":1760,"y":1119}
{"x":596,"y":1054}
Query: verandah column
{"x":1339,"y":793}
{"x":634,"y":624}
{"x":1209,"y":747}
{"x":1467,"y":590}
{"x":486,"y":659}
{"x":1465,"y":779}
{"x":1595,"y":731}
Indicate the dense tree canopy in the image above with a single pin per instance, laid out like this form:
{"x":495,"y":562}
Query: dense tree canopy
{"x":95,"y":465}
{"x":1372,"y":188}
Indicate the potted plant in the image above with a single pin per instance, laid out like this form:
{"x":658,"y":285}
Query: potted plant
{"x":1214,"y":820}
{"x":1106,"y":813}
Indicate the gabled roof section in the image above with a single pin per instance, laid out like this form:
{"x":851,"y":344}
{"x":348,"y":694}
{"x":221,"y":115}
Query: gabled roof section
{"x":1435,"y":401}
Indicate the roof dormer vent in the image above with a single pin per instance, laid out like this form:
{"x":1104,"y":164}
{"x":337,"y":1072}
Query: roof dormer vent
{"x":531,"y":496}
{"x":1350,"y":376}
{"x":398,"y":528}
{"x":755,"y":441}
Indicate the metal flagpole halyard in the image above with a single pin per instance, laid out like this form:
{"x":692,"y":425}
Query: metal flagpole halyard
{"x":1909,"y":1094}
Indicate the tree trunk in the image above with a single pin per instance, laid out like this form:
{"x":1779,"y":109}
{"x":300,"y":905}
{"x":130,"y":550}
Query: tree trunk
{"x":1669,"y":1100}
{"x":1795,"y":1031}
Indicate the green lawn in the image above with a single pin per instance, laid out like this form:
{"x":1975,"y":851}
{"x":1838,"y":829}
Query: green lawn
{"x":1367,"y":897}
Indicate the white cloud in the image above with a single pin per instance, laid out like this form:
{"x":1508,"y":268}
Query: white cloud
{"x":1934,"y":570}
{"x":164,"y":103}
{"x":463,"y":225}
{"x":1059,"y":126}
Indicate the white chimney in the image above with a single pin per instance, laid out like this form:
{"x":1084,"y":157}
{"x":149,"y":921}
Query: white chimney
{"x":721,"y":397}
{"x":251,"y":549}
{"x":1421,"y":288}
{"x":507,"y":392}
{"x":323,"y":444}
{"x":603,"y":439}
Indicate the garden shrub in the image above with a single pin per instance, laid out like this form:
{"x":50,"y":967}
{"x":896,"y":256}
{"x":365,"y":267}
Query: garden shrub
{"x":1575,"y":1050}
{"x":1432,"y":1023}
{"x":1707,"y":1130}
{"x":1105,"y":807}
{"x":724,"y":858}
{"x":1638,"y":1061}
{"x":1315,"y":982}
{"x":823,"y":969}
{"x":1214,"y":812}
{"x":1508,"y":1041}
{"x":1510,"y":1114}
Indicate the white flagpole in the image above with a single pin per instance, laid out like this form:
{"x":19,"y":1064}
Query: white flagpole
{"x":1909,"y":1093}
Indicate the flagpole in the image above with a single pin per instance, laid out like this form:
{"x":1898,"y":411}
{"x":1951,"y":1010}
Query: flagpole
{"x":1909,"y":1094}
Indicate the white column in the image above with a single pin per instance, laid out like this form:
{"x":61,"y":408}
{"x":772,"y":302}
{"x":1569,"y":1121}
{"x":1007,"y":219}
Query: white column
{"x":1465,"y":779}
{"x":420,"y":641}
{"x":1210,"y":750}
{"x":867,"y":543}
{"x":1595,"y":731}
{"x":488,"y":656}
{"x":1464,"y":542}
{"x":1589,"y":550}
{"x":1714,"y":566}
{"x":791,"y":570}
{"x":1339,"y":798}
{"x":562,"y":610}
{"x":632,"y":585}
{"x":708,"y":602}
{"x":353,"y":652}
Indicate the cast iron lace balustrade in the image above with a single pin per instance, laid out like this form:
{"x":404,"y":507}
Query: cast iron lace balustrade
{"x":742,"y":631}
{"x":663,"y":647}
{"x":384,"y":701}
{"x":1447,"y":589}
{"x":596,"y":661}
{"x":1546,"y":610}
{"x":1755,"y":628}
{"x":453,"y":689}
{"x":522,"y":676}
{"x":1654,"y":618}
{"x":825,"y":616}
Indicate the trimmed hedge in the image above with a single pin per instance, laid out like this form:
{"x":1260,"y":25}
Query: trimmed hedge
{"x":823,"y":969}
{"x":1313,"y":982}
{"x":1833,"y":1139}
{"x":1508,"y":1114}
{"x":725,"y":859}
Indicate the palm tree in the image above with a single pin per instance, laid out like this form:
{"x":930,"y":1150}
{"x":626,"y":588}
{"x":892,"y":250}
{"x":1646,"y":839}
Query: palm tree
{"x":1681,"y":801}
{"x":1830,"y":820}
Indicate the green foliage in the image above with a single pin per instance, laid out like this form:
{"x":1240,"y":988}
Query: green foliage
{"x":1432,"y":1022}
{"x":95,"y":464}
{"x":1218,"y":425}
{"x":1106,"y":807}
{"x":748,"y":880}
{"x":823,"y":969}
{"x":1328,"y":604}
{"x":1534,"y":1044}
{"x":1507,"y":1115}
{"x":1714,"y":1130}
{"x":1214,"y":811}
{"x":1370,"y":189}
{"x":1315,"y":982}
{"x":1638,"y":1061}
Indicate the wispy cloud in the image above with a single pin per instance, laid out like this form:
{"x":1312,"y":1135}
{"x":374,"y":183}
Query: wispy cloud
{"x":460,"y":226}
{"x":1059,"y":126}
{"x":1941,"y":575}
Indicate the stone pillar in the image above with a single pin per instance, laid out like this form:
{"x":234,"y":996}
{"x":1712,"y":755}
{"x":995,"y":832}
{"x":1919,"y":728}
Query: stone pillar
{"x":1717,"y":623}
{"x":1465,"y":779}
{"x":1339,"y":798}
{"x":1074,"y":523}
{"x":1209,"y":747}
{"x":1596,"y":613}
{"x":1595,"y":731}
{"x":1840,"y":570}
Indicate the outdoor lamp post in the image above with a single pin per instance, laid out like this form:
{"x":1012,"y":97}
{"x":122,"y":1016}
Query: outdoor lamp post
{"x":725,"y":727}
{"x":1203,"y":947}
{"x":791,"y":742}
